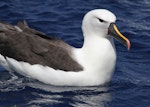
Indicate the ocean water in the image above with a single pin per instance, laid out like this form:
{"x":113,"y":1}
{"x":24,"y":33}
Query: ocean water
{"x":130,"y":84}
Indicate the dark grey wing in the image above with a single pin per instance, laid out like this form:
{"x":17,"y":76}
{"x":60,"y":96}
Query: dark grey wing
{"x":54,"y":53}
{"x":25,"y":28}
{"x":34,"y":49}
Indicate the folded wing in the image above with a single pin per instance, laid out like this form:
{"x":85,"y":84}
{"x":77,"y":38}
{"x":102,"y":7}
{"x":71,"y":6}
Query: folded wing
{"x":26,"y":44}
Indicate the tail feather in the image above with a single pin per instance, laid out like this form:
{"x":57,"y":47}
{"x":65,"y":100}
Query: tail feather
{"x":6,"y":26}
{"x":23,"y":24}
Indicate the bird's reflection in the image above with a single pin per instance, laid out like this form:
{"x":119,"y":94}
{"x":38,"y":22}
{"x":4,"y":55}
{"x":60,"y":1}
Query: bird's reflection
{"x":75,"y":96}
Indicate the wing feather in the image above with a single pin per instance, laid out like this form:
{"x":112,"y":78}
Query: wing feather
{"x":35,"y":47}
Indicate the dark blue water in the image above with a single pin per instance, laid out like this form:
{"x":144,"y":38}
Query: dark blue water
{"x":130,"y":85}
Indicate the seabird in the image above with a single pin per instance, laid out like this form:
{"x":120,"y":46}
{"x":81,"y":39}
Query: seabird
{"x":33,"y":54}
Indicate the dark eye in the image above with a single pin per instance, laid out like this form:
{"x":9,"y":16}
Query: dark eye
{"x":101,"y":20}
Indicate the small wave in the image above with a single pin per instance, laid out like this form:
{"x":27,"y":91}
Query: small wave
{"x":11,"y":83}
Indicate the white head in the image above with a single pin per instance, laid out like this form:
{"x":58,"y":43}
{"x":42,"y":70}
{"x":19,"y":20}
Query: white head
{"x":101,"y":23}
{"x":97,"y":22}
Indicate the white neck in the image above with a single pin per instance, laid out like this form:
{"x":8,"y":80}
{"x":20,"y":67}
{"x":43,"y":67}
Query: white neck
{"x":97,"y":56}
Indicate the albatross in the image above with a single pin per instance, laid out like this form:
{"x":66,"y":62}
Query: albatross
{"x":33,"y":54}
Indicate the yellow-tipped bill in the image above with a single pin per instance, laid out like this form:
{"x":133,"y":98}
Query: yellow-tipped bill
{"x":113,"y":31}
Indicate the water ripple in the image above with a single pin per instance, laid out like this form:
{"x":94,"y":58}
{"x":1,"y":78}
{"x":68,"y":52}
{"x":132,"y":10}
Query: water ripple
{"x":130,"y":83}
